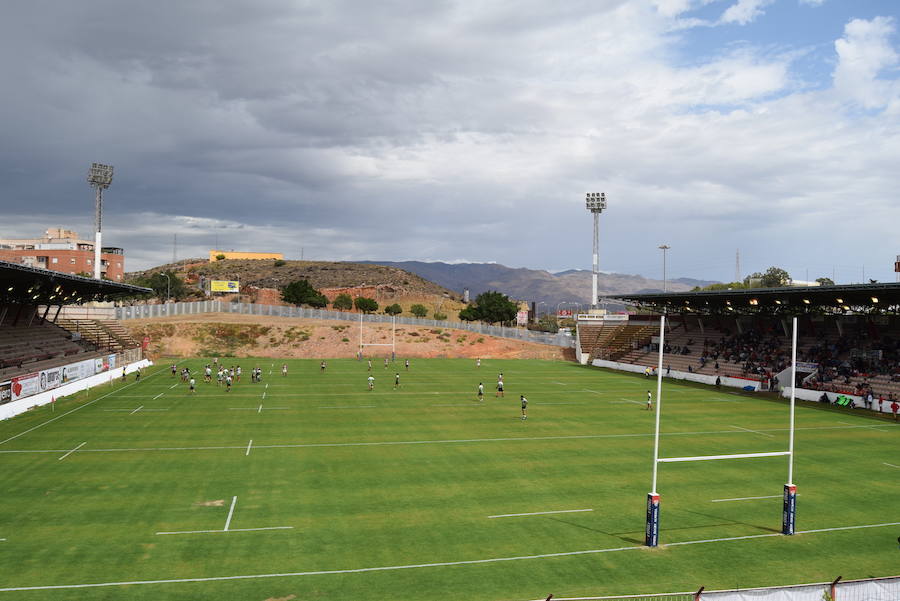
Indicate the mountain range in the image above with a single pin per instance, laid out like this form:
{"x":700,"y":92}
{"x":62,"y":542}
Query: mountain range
{"x":536,"y":285}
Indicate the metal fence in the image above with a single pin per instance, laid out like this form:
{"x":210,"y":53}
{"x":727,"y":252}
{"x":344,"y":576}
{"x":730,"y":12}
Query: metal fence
{"x":213,"y":306}
{"x":869,"y":589}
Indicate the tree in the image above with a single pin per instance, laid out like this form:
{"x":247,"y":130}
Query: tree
{"x":301,"y":292}
{"x":174,"y":287}
{"x":366,"y":305}
{"x":394,"y":309}
{"x":774,"y":277}
{"x":343,"y":302}
{"x":470,"y":313}
{"x":419,"y":311}
{"x":825,"y":281}
{"x":495,"y":307}
{"x":220,"y":257}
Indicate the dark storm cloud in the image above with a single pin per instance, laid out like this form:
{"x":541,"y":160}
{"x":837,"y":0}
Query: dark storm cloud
{"x":441,"y":130}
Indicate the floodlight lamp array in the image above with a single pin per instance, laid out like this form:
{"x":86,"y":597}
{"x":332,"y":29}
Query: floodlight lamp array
{"x":100,"y":175}
{"x":595,"y":201}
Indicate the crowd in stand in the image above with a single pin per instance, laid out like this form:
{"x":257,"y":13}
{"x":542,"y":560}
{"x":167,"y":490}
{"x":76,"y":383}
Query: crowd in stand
{"x":756,"y":353}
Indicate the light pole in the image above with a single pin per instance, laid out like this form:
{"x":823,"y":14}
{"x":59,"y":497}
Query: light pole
{"x":664,"y":248}
{"x":595,"y":203}
{"x":168,"y":287}
{"x":99,"y":177}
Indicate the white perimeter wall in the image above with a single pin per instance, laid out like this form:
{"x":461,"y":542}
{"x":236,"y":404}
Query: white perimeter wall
{"x":802,"y":393}
{"x":22,"y":405}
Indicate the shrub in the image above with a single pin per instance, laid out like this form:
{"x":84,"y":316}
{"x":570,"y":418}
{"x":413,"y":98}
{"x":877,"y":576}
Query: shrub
{"x":220,"y":257}
{"x":280,"y":263}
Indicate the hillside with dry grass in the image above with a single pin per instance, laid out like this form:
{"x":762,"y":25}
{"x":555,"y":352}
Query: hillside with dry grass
{"x":229,"y":335}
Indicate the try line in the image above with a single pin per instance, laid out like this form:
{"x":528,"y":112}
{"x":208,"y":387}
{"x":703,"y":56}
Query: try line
{"x":421,"y":565}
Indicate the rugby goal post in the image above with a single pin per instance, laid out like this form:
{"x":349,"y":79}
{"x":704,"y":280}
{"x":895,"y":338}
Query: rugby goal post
{"x":391,"y":344}
{"x":651,"y":538}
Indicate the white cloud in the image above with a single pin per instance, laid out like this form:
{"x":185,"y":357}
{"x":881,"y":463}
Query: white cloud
{"x":863,"y":53}
{"x":743,"y":12}
{"x":812,"y":2}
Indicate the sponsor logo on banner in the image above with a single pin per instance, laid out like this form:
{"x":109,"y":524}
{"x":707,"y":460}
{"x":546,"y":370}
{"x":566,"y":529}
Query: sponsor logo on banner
{"x":5,"y":392}
{"x":26,"y":385}
{"x":77,"y":371}
{"x":522,"y":318}
{"x":101,"y":364}
{"x":111,"y":362}
{"x":224,"y":286}
{"x":564,"y":314}
{"x":51,"y":378}
{"x":807,"y":366}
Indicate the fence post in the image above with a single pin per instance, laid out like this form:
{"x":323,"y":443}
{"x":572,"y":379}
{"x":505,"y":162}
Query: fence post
{"x":833,"y":588}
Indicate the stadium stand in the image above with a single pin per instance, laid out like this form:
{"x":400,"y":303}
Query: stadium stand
{"x":850,"y":335}
{"x":32,"y":341}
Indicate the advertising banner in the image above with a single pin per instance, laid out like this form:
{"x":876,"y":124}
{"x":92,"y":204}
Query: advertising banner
{"x":224,"y":286}
{"x":564,"y":314}
{"x":50,"y":379}
{"x":111,"y":361}
{"x":5,"y":392}
{"x":26,"y":385}
{"x":522,"y":318}
{"x":101,"y":364}
{"x":77,"y":371}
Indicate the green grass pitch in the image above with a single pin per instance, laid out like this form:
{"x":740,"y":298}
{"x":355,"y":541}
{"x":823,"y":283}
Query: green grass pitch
{"x":338,"y":480}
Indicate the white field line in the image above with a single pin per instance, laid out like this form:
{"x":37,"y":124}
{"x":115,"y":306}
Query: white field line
{"x":159,"y":395}
{"x":249,"y":444}
{"x":260,"y":408}
{"x":746,"y":498}
{"x":472,"y":404}
{"x":227,"y":531}
{"x":347,"y":407}
{"x":128,"y":410}
{"x":754,"y":431}
{"x":564,"y":403}
{"x":560,"y":383}
{"x":892,"y":465}
{"x":411,"y":442}
{"x":715,"y":457}
{"x":50,"y":421}
{"x":589,"y":390}
{"x":623,"y":401}
{"x":514,"y":515}
{"x":136,"y":410}
{"x":230,"y":513}
{"x":410,"y":566}
{"x":173,"y":385}
{"x":264,"y":395}
{"x":72,"y":451}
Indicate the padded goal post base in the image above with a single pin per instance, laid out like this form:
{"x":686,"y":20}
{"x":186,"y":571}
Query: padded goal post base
{"x":651,"y":536}
{"x":789,"y":511}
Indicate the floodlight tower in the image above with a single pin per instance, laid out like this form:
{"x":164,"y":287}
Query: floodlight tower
{"x":595,"y":202}
{"x":99,"y":177}
{"x":664,"y":248}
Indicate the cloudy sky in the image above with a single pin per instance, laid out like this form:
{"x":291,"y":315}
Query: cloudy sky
{"x":463,"y":130}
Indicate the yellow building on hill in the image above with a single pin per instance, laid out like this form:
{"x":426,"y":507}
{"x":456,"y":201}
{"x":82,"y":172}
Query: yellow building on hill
{"x":230,"y":254}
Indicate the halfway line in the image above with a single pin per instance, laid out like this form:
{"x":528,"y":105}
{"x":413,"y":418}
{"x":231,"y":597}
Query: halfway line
{"x":249,"y":444}
{"x":136,"y":410}
{"x":753,"y":431}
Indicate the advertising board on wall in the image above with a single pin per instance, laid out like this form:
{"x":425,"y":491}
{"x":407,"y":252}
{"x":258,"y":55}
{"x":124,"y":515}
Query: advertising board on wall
{"x":76,"y":371}
{"x":224,"y":286}
{"x":50,"y":378}
{"x":27,"y":385}
{"x":522,"y":318}
{"x":5,"y":392}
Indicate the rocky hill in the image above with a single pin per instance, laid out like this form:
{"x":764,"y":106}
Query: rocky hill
{"x":321,"y":274}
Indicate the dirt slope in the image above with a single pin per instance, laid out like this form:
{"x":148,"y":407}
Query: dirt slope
{"x":262,"y":336}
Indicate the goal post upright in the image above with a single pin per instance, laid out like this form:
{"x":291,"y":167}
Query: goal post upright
{"x":789,"y":510}
{"x":651,"y":534}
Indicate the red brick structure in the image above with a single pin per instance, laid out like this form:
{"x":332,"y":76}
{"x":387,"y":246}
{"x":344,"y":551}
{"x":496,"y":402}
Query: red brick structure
{"x":62,"y":250}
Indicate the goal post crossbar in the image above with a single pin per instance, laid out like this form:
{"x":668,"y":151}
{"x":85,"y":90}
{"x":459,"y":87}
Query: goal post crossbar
{"x":714,"y":457}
